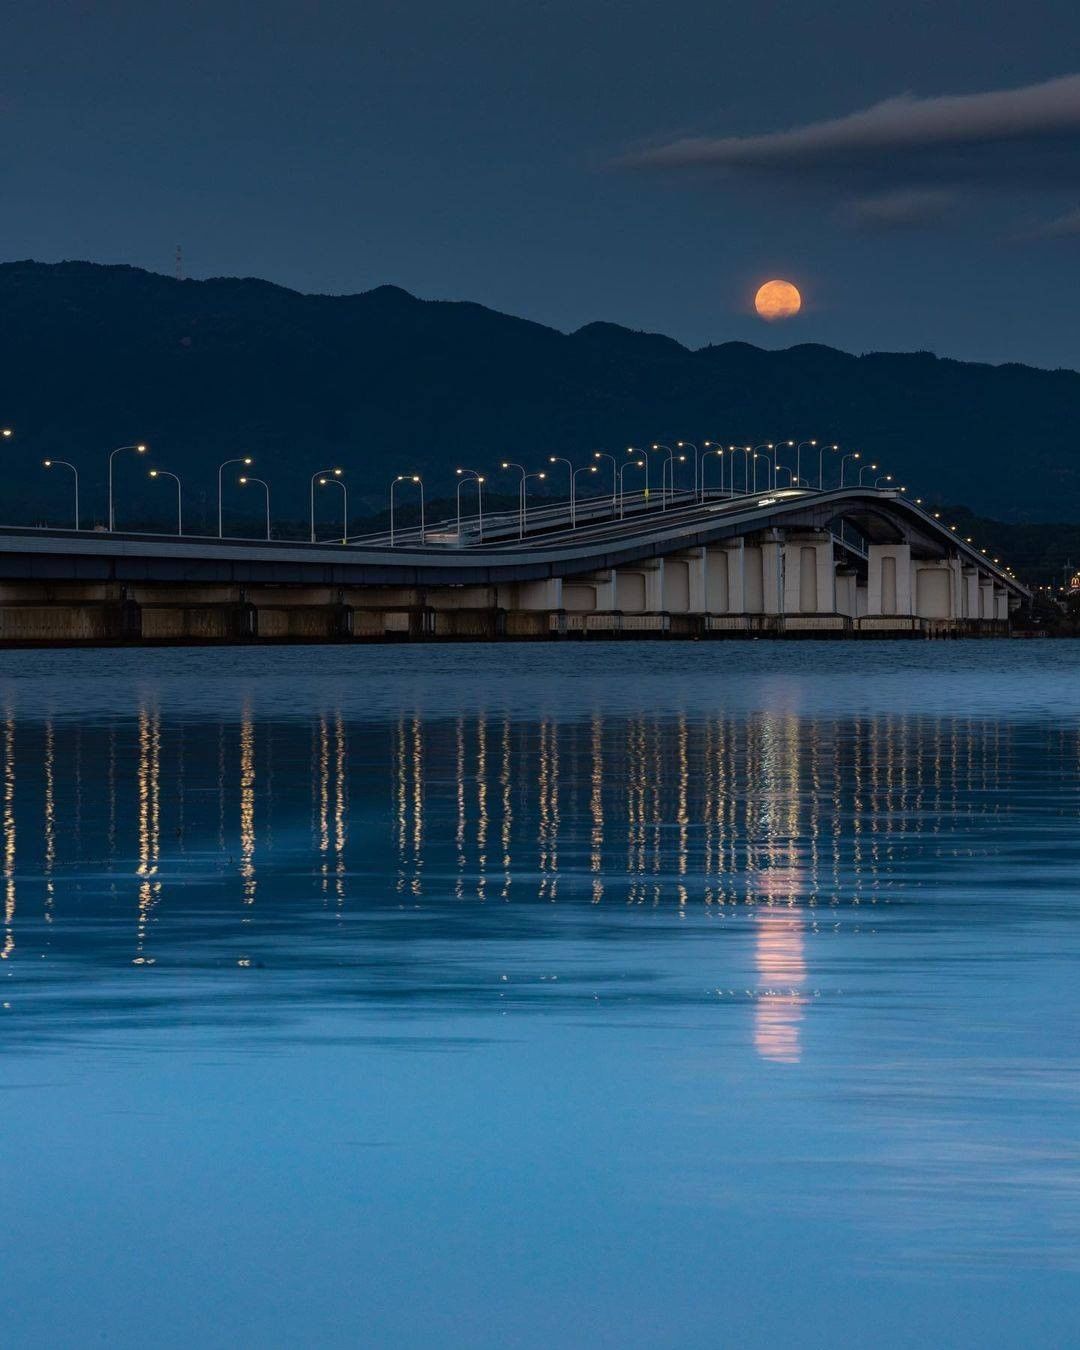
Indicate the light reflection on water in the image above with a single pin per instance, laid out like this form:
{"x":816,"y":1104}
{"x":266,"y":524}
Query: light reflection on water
{"x":781,"y":895}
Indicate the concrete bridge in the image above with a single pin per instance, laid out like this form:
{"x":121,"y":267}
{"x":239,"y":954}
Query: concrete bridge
{"x":852,"y":561}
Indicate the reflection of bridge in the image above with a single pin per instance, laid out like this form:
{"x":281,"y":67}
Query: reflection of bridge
{"x":852,"y":560}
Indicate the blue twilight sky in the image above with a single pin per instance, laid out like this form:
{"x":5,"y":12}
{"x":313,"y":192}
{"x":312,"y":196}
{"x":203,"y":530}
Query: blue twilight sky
{"x":492,"y":150}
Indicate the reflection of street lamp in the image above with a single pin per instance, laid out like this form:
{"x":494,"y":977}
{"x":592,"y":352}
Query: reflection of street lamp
{"x":63,"y":464}
{"x":266,"y":488}
{"x":164,"y":473}
{"x":139,"y":450}
{"x":245,"y":459}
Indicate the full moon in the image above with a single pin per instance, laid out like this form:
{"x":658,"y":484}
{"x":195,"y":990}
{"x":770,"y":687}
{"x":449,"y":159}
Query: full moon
{"x":777,"y":300}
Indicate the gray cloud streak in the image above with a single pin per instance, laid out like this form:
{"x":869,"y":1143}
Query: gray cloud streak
{"x":898,"y":125}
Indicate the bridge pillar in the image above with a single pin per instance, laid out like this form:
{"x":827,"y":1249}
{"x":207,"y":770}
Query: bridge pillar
{"x":845,"y":585}
{"x":986,"y":597}
{"x":934,"y":590}
{"x":727,"y":581}
{"x":888,"y":581}
{"x":809,"y":586}
{"x":970,"y":592}
{"x":546,"y":594}
{"x":639,"y":587}
{"x":1001,"y":602}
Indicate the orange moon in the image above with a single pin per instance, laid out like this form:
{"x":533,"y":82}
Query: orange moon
{"x":777,"y":300}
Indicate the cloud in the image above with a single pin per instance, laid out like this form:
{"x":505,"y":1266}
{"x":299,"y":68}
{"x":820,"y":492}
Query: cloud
{"x":902,"y":208}
{"x":1061,"y":227}
{"x":904,"y":125}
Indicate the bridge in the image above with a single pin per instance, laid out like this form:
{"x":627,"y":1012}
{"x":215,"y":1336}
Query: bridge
{"x":843,"y":562}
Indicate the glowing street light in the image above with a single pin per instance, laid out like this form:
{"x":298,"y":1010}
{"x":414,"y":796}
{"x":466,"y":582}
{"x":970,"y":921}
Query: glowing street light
{"x":139,"y":450}
{"x":886,"y":479}
{"x":406,"y":478}
{"x":855,"y":454}
{"x":689,"y":445}
{"x":243,"y":481}
{"x":821,"y":464}
{"x":164,"y":473}
{"x":245,"y":460}
{"x":344,"y":508}
{"x":602,"y":454}
{"x":471,"y":476}
{"x":719,"y":453}
{"x":319,"y":473}
{"x":63,"y":464}
{"x":866,"y":468}
{"x":770,"y":482}
{"x":6,"y":433}
{"x":524,"y":496}
{"x":630,"y":464}
{"x":666,"y":472}
{"x":558,"y":459}
{"x":587,"y":468}
{"x":510,"y":464}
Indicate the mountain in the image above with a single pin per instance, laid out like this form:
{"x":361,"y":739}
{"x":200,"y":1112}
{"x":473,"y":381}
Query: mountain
{"x":383,"y":383}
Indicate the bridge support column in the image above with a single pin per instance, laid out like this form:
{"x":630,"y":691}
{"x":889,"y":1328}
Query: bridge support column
{"x":639,"y":587}
{"x":845,"y":585}
{"x":970,"y":591}
{"x":772,"y":573}
{"x":733,"y":598}
{"x":1001,"y":603}
{"x":986,"y":598}
{"x":934,"y":590}
{"x":888,"y":583}
{"x":546,"y":594}
{"x":808,"y":574}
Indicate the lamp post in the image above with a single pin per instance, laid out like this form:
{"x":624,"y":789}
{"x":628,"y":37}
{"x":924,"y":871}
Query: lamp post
{"x":643,"y":454}
{"x":266,"y":488}
{"x":587,"y":468}
{"x":786,"y":468}
{"x":509,"y":464}
{"x":666,"y":472}
{"x":886,"y":479}
{"x":244,"y":459}
{"x":406,"y":478}
{"x":63,"y":464}
{"x":602,"y":454}
{"x":776,"y":457}
{"x":746,"y":452}
{"x":768,"y":445}
{"x":821,"y":463}
{"x":719,"y":453}
{"x":164,"y":473}
{"x":865,"y":468}
{"x":467,"y":476}
{"x":344,"y":506}
{"x":630,"y":464}
{"x":139,"y":450}
{"x":854,"y":454}
{"x":689,"y":445}
{"x":798,"y":458}
{"x":558,"y":459}
{"x":526,"y":478}
{"x":319,"y":473}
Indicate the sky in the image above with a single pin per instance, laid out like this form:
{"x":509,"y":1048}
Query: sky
{"x":913,"y":168}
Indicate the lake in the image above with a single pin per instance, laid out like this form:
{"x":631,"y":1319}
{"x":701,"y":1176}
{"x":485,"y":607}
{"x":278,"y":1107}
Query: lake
{"x":631,"y":995}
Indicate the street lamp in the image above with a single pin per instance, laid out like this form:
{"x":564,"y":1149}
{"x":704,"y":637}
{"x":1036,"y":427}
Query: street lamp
{"x":776,"y":458}
{"x":669,"y":465}
{"x":630,"y":464}
{"x":319,"y":473}
{"x":689,"y":445}
{"x":509,"y":464}
{"x":407,"y":478}
{"x":558,"y":459}
{"x":266,"y":488}
{"x":886,"y":479}
{"x":643,"y":453}
{"x":467,"y":476}
{"x":587,"y":468}
{"x":820,"y":464}
{"x":866,"y":468}
{"x":524,"y":504}
{"x":602,"y":454}
{"x":139,"y":450}
{"x":798,"y":458}
{"x":768,"y":445}
{"x":246,"y":460}
{"x":855,"y":454}
{"x":164,"y":473}
{"x":63,"y":464}
{"x":719,"y":453}
{"x":344,"y":508}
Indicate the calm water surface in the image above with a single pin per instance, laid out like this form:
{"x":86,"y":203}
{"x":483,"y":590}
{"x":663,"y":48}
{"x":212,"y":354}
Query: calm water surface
{"x":628,"y":995}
